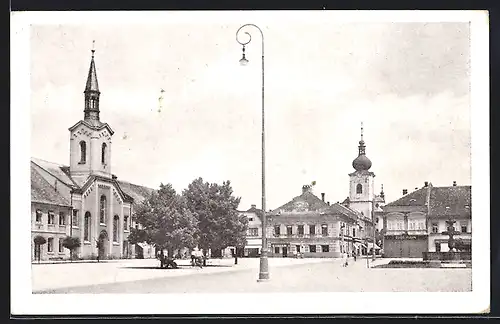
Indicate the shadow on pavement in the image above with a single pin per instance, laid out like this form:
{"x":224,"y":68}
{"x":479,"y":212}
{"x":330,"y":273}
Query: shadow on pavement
{"x":181,"y":266}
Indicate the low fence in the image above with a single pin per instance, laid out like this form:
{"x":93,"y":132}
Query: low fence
{"x":447,"y":256}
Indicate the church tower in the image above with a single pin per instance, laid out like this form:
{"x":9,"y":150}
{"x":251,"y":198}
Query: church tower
{"x":90,"y":139}
{"x":361,"y":182}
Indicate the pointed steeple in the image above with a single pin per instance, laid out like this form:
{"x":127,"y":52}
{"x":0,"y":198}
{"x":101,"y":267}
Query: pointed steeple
{"x":91,"y":112}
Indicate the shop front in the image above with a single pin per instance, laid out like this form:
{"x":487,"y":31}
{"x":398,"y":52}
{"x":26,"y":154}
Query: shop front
{"x":405,"y":246}
{"x":280,"y":250}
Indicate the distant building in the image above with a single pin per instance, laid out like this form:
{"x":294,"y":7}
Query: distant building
{"x":84,"y":199}
{"x":253,"y":246}
{"x":415,"y":222}
{"x":310,"y":226}
{"x":447,"y":203}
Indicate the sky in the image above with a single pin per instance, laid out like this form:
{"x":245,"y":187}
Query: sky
{"x":407,"y":82}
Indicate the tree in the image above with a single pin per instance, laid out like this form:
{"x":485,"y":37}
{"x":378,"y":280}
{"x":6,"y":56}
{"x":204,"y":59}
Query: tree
{"x":137,"y":235}
{"x":39,"y":241}
{"x":166,"y":221}
{"x":71,"y":243}
{"x":215,"y":207}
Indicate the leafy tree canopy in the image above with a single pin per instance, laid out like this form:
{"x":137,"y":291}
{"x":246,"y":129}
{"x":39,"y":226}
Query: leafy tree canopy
{"x":166,"y":220}
{"x":215,"y":207}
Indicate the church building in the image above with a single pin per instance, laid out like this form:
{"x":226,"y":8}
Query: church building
{"x":84,"y":199}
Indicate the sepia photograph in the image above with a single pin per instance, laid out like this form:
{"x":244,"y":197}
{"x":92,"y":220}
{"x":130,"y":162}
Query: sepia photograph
{"x":250,"y":162}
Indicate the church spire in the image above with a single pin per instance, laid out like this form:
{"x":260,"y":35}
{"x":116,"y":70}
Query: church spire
{"x":362,"y":145}
{"x":91,"y":112}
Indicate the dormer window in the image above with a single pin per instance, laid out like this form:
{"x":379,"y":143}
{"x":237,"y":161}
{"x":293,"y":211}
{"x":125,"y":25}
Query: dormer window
{"x":83,"y":152}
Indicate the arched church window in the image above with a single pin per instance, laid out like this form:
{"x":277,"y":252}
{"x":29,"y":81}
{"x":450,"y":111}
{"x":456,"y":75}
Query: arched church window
{"x":103,"y":153}
{"x":86,"y":227}
{"x":102,"y":216}
{"x":115,"y":228}
{"x":83,"y":152}
{"x":359,"y":188}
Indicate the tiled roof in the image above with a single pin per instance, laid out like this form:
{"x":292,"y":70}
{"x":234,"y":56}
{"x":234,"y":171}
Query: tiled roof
{"x":43,"y":192}
{"x":138,"y":193}
{"x":254,"y":210}
{"x":307,"y":201}
{"x":415,"y":198}
{"x":456,"y":198}
{"x":57,"y":170}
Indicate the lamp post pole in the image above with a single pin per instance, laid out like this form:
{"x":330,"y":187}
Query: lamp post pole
{"x":264,"y":267}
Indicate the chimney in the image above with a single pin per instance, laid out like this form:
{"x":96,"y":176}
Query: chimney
{"x":328,"y":203}
{"x":454,"y":183}
{"x":426,"y":184}
{"x":323,"y":196}
{"x":253,"y":206}
{"x":306,"y":188}
{"x":405,"y":192}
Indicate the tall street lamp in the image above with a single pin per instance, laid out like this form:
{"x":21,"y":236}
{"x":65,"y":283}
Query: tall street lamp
{"x":264,"y":267}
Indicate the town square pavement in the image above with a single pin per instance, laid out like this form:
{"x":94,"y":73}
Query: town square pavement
{"x":222,"y":276}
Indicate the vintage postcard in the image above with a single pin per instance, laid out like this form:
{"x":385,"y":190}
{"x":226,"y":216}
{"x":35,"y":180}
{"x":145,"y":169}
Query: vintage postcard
{"x":305,"y":162}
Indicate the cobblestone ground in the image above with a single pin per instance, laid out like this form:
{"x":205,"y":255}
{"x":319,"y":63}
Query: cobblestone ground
{"x":324,"y":276}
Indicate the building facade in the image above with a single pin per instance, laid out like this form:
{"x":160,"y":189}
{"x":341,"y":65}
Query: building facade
{"x":84,"y":199}
{"x":253,"y":246}
{"x":310,"y":226}
{"x":449,"y":204}
{"x":415,"y":223}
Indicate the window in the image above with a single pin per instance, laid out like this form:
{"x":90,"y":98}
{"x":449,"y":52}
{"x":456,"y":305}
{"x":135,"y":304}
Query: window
{"x":325,"y":248}
{"x":102,"y":216}
{"x":276,"y":250}
{"x":435,"y":228}
{"x":277,"y":230}
{"x":50,"y":244}
{"x":83,"y":152}
{"x":324,"y":230}
{"x":253,"y":231}
{"x":359,"y":188}
{"x":312,"y":229}
{"x":297,"y":248}
{"x":289,"y":230}
{"x":125,"y":223}
{"x":412,"y":225}
{"x":312,"y":248}
{"x":62,"y":218}
{"x":38,"y":216}
{"x":116,"y":221}
{"x":399,"y":225}
{"x":421,"y":226}
{"x":300,"y":230}
{"x":250,"y":219}
{"x":51,"y":218}
{"x":86,"y":228}
{"x":103,"y":153}
{"x":353,"y":232}
{"x":75,"y":218}
{"x":463,"y":227}
{"x":61,"y":247}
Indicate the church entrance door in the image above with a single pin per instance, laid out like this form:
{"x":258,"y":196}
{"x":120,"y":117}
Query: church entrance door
{"x":102,"y":244}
